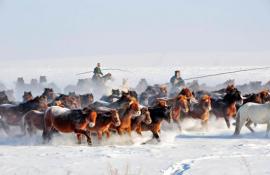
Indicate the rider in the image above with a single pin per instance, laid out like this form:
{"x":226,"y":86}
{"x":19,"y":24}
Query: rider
{"x":97,"y":72}
{"x":176,"y":80}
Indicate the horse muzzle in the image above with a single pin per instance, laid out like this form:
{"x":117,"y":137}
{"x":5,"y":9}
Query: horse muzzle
{"x":137,"y":114}
{"x":117,"y":124}
{"x":148,"y":122}
{"x":91,"y":124}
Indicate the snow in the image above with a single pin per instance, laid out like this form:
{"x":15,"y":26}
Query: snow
{"x":195,"y":151}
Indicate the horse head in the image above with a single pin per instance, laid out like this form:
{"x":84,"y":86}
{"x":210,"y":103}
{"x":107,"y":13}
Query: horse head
{"x":205,"y":102}
{"x":49,"y":93}
{"x":115,"y":118}
{"x":27,"y":96}
{"x":146,"y":117}
{"x":91,"y":116}
{"x":182,"y":102}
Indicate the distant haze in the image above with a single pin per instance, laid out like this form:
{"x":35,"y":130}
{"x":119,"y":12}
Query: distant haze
{"x":209,"y":32}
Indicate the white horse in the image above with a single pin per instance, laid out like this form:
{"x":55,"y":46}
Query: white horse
{"x":253,"y":113}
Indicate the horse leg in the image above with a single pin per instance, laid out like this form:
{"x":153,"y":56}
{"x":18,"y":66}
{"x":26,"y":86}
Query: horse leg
{"x":87,"y":135}
{"x":249,"y":122}
{"x":79,"y":138}
{"x":129,"y":131}
{"x":239,"y":124}
{"x":99,"y":133}
{"x":108,"y":134}
{"x":156,"y":136}
{"x":120,"y":131}
{"x":5,"y":127}
{"x":139,"y":131}
{"x":178,"y":124}
{"x":227,"y":120}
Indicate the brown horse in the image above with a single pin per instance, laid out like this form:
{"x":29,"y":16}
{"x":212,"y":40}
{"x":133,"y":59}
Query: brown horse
{"x":143,"y":118}
{"x":188,"y":93}
{"x":12,"y":114}
{"x":105,"y":118}
{"x":179,"y":105}
{"x":201,"y":110}
{"x":67,"y":121}
{"x":126,"y":113}
{"x":27,"y":96}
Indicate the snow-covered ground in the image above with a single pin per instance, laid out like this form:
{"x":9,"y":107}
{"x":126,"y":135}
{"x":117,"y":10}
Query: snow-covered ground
{"x":194,"y":151}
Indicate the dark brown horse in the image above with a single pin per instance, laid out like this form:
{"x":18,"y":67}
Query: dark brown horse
{"x":105,"y":118}
{"x":201,"y":110}
{"x":49,"y":93}
{"x":86,"y":100}
{"x":13,"y":114}
{"x":4,"y":98}
{"x":143,"y":118}
{"x":71,"y":102}
{"x":261,"y":97}
{"x":226,"y":107}
{"x":33,"y":121}
{"x":27,"y":96}
{"x":158,"y":113}
{"x":67,"y":121}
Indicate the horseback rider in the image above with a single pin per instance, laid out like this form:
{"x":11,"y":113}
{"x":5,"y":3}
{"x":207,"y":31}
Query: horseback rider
{"x":97,"y":72}
{"x":176,"y":80}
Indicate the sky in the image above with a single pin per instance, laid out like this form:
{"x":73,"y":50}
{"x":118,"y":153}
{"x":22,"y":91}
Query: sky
{"x":152,"y":32}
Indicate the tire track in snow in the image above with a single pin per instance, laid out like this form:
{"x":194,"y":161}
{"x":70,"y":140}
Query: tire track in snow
{"x":181,"y":167}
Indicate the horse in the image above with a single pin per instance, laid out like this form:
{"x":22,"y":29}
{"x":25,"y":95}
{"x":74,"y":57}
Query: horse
{"x":105,"y":118}
{"x":27,"y":96}
{"x":179,"y":104}
{"x":4,"y":98}
{"x":113,"y":97}
{"x":12,"y":114}
{"x":226,"y":107}
{"x":33,"y":121}
{"x":201,"y":110}
{"x":253,"y":113}
{"x":86,"y":100}
{"x":188,"y":93}
{"x":67,"y":121}
{"x":71,"y":102}
{"x":49,"y":93}
{"x":131,"y":109}
{"x":102,"y":80}
{"x":158,"y":113}
{"x":143,"y":118}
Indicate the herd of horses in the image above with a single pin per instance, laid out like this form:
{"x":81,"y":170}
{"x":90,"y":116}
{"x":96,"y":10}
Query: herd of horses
{"x":125,"y":112}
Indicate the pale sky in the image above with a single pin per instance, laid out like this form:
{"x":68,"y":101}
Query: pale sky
{"x":209,"y":30}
